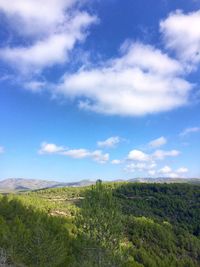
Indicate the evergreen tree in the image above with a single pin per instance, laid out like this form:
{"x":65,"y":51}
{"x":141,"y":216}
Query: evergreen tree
{"x":100,"y":221}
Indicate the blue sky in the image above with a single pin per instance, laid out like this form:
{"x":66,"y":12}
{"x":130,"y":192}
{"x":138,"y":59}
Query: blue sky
{"x":99,"y":89}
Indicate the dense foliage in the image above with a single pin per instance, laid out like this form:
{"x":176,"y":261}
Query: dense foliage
{"x":178,"y":203}
{"x":118,"y":225}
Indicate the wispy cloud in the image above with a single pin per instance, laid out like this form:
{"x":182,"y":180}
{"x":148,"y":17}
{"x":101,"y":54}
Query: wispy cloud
{"x":162,"y":154}
{"x":190,"y":130}
{"x":158,"y":142}
{"x":140,"y":167}
{"x":35,"y":86}
{"x":96,"y":155}
{"x":116,"y":161}
{"x":182,"y":170}
{"x":2,"y":150}
{"x":110,"y":142}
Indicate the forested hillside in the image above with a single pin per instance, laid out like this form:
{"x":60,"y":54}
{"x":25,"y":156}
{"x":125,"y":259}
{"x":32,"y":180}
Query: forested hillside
{"x":116,"y":225}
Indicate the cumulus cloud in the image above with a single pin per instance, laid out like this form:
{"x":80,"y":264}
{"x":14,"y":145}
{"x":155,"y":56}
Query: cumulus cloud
{"x":55,"y":29}
{"x":143,"y":80}
{"x":110,"y":142}
{"x":152,"y":170}
{"x":1,"y":150}
{"x":182,"y":34}
{"x":158,"y":142}
{"x":144,"y":162}
{"x":190,"y":130}
{"x":138,"y":161}
{"x":99,"y":156}
{"x":138,"y":155}
{"x":35,"y":16}
{"x":140,"y":166}
{"x":165,"y":170}
{"x":50,"y":149}
{"x":96,"y":155}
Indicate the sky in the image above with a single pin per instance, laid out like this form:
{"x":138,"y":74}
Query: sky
{"x":95,"y":89}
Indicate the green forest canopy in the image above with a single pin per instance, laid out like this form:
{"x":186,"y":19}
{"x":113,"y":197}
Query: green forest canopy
{"x":121,"y":224}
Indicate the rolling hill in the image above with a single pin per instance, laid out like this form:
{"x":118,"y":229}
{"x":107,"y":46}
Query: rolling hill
{"x":21,"y":184}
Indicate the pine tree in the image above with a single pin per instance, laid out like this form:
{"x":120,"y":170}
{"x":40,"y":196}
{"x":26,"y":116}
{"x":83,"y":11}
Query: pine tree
{"x":101,"y":225}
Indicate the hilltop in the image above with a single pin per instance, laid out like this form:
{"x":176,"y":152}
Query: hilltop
{"x":21,"y":184}
{"x":13,"y":185}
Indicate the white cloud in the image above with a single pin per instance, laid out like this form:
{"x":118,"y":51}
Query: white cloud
{"x":182,"y":170}
{"x":140,"y":166}
{"x":96,"y":155}
{"x":150,"y":169}
{"x":142,"y":81}
{"x":147,"y":163}
{"x":50,"y":149}
{"x":77,"y":153}
{"x":116,"y":161}
{"x":35,"y":16}
{"x":188,"y":131}
{"x":147,"y":57}
{"x":173,"y":175}
{"x":162,"y":154}
{"x":165,"y":170}
{"x":43,"y":53}
{"x":138,"y":161}
{"x":1,"y":150}
{"x":110,"y":142}
{"x":138,"y":155}
{"x":35,"y":86}
{"x":158,"y":142}
{"x":182,"y":34}
{"x":56,"y":28}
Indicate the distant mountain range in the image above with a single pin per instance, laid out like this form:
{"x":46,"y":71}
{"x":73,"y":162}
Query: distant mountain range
{"x":20,"y":184}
